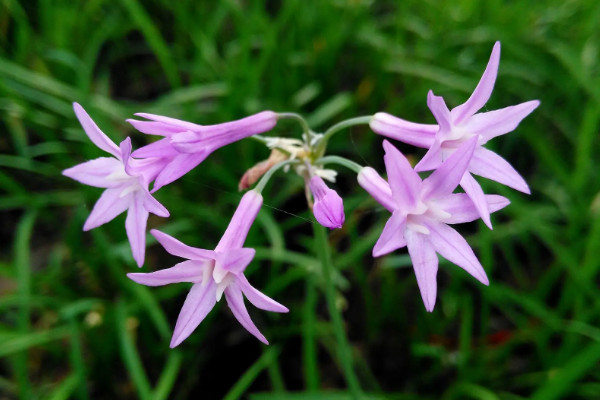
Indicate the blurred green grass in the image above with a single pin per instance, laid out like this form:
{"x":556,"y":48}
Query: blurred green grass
{"x":73,"y":326}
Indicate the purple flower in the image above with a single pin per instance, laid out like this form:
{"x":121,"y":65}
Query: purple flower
{"x":214,"y":272}
{"x":329,"y":207}
{"x":421,"y":211}
{"x":185,"y":145}
{"x":125,"y":190}
{"x":458,"y":126}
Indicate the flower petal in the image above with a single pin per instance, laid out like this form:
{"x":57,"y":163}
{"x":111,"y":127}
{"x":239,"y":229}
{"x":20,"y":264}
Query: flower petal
{"x":461,"y":207}
{"x":243,"y":218}
{"x":154,"y":206}
{"x":198,"y":303}
{"x":475,"y":193}
{"x":447,"y":177}
{"x":420,"y":135}
{"x":432,"y":159}
{"x":257,"y":298}
{"x":109,"y":205}
{"x":97,"y":137}
{"x":377,"y":187}
{"x":175,"y":123}
{"x":179,"y":166}
{"x":490,"y":165}
{"x":453,"y":247}
{"x":425,"y":264}
{"x":160,"y":149}
{"x":498,"y":122}
{"x":135,"y":225}
{"x":186,"y":271}
{"x":392,"y":236}
{"x":235,"y":301}
{"x":404,"y":181}
{"x":177,"y":248}
{"x":232,"y":260}
{"x":440,"y":111}
{"x":95,"y":172}
{"x":482,"y":92}
{"x":155,"y":128}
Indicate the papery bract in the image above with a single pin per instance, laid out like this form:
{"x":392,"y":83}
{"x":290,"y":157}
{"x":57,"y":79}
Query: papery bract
{"x":185,"y":145}
{"x":460,"y":125}
{"x":421,"y":211}
{"x":125,"y":190}
{"x":329,"y":206}
{"x":214,"y":273}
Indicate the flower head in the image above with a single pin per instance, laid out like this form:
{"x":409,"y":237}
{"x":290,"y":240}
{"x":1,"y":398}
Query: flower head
{"x":329,"y":207}
{"x":185,"y":145}
{"x":125,"y":189}
{"x":459,"y":125}
{"x":214,"y":273}
{"x":421,"y":211}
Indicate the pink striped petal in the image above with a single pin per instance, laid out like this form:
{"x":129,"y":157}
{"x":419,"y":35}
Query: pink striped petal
{"x":419,"y":135}
{"x":94,"y":172}
{"x":160,"y":149}
{"x":234,"y":260}
{"x":175,"y":123}
{"x":392,"y":236}
{"x":186,"y":271}
{"x":177,"y":248}
{"x":242,"y":220}
{"x":498,"y":122}
{"x":453,"y":247}
{"x":135,"y":225}
{"x":475,"y":193}
{"x":482,"y":92}
{"x":490,"y":165}
{"x":461,"y":207}
{"x":446,"y":178}
{"x":440,"y":111}
{"x":198,"y":303}
{"x":257,"y":298}
{"x":377,"y":187}
{"x":154,"y":206}
{"x":155,"y":128}
{"x":425,"y":264}
{"x":404,"y":181}
{"x":109,"y":205}
{"x":179,"y":166}
{"x":235,"y":301}
{"x":432,"y":159}
{"x":97,"y":137}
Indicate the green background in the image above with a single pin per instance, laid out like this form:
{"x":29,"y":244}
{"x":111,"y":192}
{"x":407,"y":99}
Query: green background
{"x":73,"y":326}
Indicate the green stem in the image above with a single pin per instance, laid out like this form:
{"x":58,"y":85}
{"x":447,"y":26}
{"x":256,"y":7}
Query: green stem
{"x":265,"y":178}
{"x":311,"y":370}
{"x":338,"y":127}
{"x":341,"y":161}
{"x":343,"y":346}
{"x":297,"y":117}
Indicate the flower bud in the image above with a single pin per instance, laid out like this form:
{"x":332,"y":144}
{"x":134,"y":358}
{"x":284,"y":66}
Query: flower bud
{"x":329,"y":207}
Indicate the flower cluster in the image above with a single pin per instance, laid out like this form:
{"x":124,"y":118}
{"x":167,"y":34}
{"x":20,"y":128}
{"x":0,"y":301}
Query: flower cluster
{"x":422,"y":210}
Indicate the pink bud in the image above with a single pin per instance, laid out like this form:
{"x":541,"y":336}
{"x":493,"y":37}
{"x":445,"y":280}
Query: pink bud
{"x":329,"y":207}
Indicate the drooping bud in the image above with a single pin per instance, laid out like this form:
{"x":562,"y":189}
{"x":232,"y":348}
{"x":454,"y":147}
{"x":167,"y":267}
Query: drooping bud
{"x":329,"y":207}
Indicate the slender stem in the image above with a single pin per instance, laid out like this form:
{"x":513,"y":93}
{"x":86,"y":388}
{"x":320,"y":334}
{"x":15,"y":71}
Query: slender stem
{"x":297,"y":117}
{"x":309,"y":342}
{"x":338,"y":127}
{"x":341,"y":161}
{"x":343,"y":346}
{"x":265,"y":178}
{"x":259,"y":138}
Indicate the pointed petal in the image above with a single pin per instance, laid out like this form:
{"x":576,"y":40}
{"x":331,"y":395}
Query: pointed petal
{"x":155,"y":128}
{"x":440,"y":111}
{"x":498,"y":122}
{"x":377,"y":187}
{"x":453,"y":247}
{"x":475,"y":193}
{"x":234,"y":260}
{"x":135,"y":225}
{"x":198,"y":303}
{"x":235,"y":301}
{"x":425,"y":264}
{"x":420,"y":135}
{"x":177,"y":248}
{"x":109,"y":205}
{"x":186,"y":271}
{"x":97,"y":137}
{"x":160,"y":149}
{"x":154,"y":206}
{"x":239,"y":226}
{"x":175,"y":123}
{"x":179,"y":166}
{"x":482,"y":92}
{"x":432,"y":159}
{"x":257,"y":298}
{"x":392,"y":236}
{"x":95,"y":172}
{"x":446,"y":178}
{"x":461,"y":207}
{"x":125,"y":148}
{"x":404,"y":181}
{"x":490,"y":165}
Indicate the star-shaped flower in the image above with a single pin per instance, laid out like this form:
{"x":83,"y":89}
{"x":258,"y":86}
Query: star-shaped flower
{"x":214,"y":273}
{"x":125,"y":190}
{"x":460,"y":125}
{"x":421,"y":211}
{"x":185,"y":145}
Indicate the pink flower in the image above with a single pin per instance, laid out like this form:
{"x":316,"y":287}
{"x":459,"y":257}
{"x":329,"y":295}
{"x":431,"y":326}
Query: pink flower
{"x":460,"y":125}
{"x":214,"y":273}
{"x":185,"y":145}
{"x":329,"y":207}
{"x":421,"y":211}
{"x":125,"y":190}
